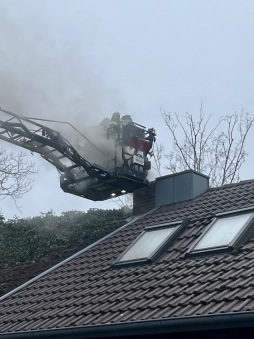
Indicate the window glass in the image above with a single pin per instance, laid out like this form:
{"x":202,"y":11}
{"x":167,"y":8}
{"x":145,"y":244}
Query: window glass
{"x":149,"y":242}
{"x":223,"y":231}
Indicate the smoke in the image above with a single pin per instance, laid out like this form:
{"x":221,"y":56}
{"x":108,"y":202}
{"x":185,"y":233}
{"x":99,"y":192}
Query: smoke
{"x":46,"y":69}
{"x":40,"y":79}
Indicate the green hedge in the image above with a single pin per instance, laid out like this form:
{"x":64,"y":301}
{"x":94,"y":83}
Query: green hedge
{"x":26,"y":240}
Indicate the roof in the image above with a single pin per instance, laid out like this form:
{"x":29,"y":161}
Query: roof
{"x":85,"y":291}
{"x":15,"y":275}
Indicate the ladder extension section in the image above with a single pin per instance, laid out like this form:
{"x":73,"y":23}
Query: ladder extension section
{"x":50,"y":144}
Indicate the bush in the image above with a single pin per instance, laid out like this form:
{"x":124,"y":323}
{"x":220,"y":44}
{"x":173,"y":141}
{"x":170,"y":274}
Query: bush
{"x":27,"y":240}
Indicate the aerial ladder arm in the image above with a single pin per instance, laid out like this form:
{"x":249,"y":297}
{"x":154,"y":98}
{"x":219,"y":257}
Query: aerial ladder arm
{"x":49,"y":143}
{"x":78,"y":175}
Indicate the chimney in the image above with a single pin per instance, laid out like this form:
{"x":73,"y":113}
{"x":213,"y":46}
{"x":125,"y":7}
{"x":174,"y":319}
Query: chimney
{"x":169,"y":189}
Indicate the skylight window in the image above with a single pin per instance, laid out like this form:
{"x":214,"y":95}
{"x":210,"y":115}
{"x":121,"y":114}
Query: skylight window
{"x":224,"y":232}
{"x":150,"y":244}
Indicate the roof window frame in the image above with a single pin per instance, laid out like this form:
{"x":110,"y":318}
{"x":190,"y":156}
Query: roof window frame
{"x":240,"y":238}
{"x":160,"y":249}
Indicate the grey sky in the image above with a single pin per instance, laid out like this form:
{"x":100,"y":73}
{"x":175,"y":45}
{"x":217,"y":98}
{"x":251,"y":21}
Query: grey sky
{"x":83,"y":60}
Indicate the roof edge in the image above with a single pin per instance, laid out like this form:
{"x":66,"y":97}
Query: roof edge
{"x":73,"y":256}
{"x":153,"y":326}
{"x":241,"y":182}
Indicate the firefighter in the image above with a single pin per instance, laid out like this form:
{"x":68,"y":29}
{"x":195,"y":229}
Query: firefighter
{"x":105,"y":123}
{"x":114,"y":126}
{"x":126,"y":119}
{"x":115,"y":120}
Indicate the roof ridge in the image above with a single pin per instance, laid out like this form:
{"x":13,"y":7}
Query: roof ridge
{"x":242,"y":182}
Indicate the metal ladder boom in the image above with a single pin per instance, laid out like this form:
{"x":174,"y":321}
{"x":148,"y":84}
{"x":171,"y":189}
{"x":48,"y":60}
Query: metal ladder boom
{"x":50,"y":144}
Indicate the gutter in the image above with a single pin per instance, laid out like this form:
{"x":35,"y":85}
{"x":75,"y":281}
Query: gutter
{"x":159,"y":326}
{"x":73,"y":256}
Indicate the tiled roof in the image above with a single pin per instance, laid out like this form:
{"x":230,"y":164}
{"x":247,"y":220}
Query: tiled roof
{"x":87,"y":291}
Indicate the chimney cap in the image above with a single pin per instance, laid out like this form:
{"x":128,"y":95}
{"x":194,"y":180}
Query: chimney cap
{"x":180,"y":186}
{"x":183,"y":172}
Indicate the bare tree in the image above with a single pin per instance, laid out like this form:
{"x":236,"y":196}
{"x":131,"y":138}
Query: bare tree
{"x":157,"y":153}
{"x":124,"y":201}
{"x":15,"y":174}
{"x":217,"y":151}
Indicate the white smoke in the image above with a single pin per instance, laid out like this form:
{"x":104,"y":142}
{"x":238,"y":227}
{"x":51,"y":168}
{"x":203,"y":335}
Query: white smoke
{"x":41,"y":76}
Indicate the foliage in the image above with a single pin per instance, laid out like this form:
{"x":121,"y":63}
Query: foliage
{"x":217,"y":150}
{"x":15,"y":174}
{"x":26,"y":240}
